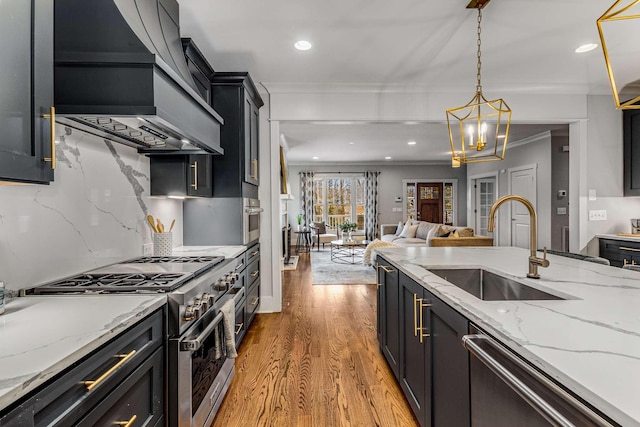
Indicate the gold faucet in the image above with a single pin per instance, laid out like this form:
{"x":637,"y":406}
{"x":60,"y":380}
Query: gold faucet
{"x":534,"y":261}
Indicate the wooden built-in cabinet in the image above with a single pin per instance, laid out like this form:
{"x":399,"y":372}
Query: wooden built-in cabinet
{"x":27,"y":149}
{"x":122,"y":379}
{"x":235,"y":97}
{"x":181,"y":175}
{"x":421,"y":340}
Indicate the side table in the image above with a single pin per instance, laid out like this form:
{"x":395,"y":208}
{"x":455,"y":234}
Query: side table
{"x":303,"y":241}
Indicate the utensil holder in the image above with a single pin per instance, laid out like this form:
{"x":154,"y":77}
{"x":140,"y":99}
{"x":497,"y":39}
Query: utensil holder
{"x":162,"y":244}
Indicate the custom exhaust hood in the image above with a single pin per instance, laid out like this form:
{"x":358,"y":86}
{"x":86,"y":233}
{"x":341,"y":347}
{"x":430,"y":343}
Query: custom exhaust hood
{"x":121,"y":74}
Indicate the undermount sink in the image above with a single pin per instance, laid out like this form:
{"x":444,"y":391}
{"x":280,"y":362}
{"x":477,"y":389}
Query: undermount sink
{"x":489,"y":286}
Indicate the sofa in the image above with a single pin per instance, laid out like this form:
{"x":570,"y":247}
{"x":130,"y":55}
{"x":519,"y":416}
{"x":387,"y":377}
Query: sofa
{"x":431,"y":234}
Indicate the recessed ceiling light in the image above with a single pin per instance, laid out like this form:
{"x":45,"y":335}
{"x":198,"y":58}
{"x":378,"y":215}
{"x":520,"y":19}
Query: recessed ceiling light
{"x":351,"y":143}
{"x":586,"y":48}
{"x":302,"y":45}
{"x":388,"y":158}
{"x":411,"y":143}
{"x":315,"y":157}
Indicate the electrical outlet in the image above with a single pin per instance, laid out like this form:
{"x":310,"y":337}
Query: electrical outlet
{"x":598,"y":215}
{"x":147,"y":249}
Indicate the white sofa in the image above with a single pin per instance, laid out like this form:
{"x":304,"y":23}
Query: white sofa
{"x":432,"y":234}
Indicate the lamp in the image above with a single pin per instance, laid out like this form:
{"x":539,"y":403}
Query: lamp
{"x":620,"y":24}
{"x":479,"y":130}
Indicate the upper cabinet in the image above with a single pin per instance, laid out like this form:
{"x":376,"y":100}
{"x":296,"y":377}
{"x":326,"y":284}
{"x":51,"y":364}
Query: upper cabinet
{"x":631,"y":131}
{"x":27,"y":150}
{"x":235,"y":97}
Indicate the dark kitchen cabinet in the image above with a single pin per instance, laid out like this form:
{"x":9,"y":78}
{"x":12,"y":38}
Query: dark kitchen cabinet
{"x":620,"y":252}
{"x":389,"y":313}
{"x":27,"y":150}
{"x":182,"y":175}
{"x":123,"y":378}
{"x":421,"y":341}
{"x":253,"y":282}
{"x":199,"y":68}
{"x":236,"y":98}
{"x":631,"y":132}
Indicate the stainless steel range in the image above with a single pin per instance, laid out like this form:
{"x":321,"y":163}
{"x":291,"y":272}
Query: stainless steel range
{"x":199,"y":371}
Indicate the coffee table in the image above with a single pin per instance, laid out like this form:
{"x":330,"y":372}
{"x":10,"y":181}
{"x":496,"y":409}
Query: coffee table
{"x":348,"y":251}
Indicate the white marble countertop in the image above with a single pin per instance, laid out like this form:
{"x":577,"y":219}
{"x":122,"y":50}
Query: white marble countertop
{"x":616,"y":237}
{"x":225,"y":251}
{"x":590,"y":342}
{"x":42,"y":335}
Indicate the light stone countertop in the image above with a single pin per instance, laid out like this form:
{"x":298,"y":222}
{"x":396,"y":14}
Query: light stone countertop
{"x":590,"y":342}
{"x":225,"y":251}
{"x":42,"y":335}
{"x":616,"y":237}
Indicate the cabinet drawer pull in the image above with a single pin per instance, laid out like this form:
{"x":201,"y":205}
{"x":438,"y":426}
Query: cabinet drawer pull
{"x":52,"y":117}
{"x":387,"y":269}
{"x":254,"y":253}
{"x":255,"y":273}
{"x":255,"y":301}
{"x":126,"y":423}
{"x":624,"y":248}
{"x":254,"y":168}
{"x":239,"y":266}
{"x":124,"y":358}
{"x":239,"y":326}
{"x":420,"y":326}
{"x":194,"y":166}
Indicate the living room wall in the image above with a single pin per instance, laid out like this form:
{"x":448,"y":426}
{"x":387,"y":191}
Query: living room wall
{"x":390,"y":185}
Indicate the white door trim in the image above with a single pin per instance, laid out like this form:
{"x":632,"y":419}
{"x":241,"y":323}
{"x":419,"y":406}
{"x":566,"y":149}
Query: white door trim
{"x":471,"y":199}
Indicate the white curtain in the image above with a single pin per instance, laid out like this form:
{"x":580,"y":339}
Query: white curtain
{"x":371,"y":204}
{"x":306,"y":197}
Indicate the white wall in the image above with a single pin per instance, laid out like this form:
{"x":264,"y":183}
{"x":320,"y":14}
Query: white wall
{"x":93,"y":214}
{"x":389,"y":185}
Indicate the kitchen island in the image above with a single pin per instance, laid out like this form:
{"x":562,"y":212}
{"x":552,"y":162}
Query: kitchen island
{"x":589,"y":341}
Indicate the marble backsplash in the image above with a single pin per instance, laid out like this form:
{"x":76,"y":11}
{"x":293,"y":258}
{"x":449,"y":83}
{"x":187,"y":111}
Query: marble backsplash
{"x":93,"y":214}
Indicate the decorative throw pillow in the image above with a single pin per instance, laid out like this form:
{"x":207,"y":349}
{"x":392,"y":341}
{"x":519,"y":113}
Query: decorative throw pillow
{"x":320,"y":227}
{"x":399,"y":228}
{"x":433,"y":232}
{"x":454,"y":233}
{"x":447,"y":234}
{"x":409,"y":231}
{"x":424,"y":228}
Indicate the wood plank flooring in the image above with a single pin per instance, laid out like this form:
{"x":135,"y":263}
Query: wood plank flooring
{"x":316,"y":363}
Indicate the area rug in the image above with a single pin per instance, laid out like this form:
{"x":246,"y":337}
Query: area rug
{"x":326,"y":272}
{"x":292,"y":264}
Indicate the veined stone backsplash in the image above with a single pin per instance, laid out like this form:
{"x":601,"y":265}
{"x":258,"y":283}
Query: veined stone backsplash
{"x":93,"y":214}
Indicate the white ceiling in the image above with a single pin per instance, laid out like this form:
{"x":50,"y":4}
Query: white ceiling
{"x":527,"y":47}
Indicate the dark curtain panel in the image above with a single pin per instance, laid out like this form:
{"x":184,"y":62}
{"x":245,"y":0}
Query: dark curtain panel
{"x":306,"y":197}
{"x":371,"y":204}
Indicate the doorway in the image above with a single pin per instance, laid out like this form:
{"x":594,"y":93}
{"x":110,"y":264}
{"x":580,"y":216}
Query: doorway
{"x":522,"y":181}
{"x":482,"y":193}
{"x":430,"y":202}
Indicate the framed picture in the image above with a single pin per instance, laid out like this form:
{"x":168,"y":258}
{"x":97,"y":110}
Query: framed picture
{"x":284,"y":180}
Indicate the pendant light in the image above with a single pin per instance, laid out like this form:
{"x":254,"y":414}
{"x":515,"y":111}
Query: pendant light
{"x":479,"y":130}
{"x":621,"y":26}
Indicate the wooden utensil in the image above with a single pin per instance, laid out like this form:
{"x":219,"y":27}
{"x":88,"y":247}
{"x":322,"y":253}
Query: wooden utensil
{"x":151,"y":222}
{"x":173,"y":222}
{"x":159,"y":226}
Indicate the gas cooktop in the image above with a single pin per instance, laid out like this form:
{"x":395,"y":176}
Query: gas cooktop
{"x":139,"y":275}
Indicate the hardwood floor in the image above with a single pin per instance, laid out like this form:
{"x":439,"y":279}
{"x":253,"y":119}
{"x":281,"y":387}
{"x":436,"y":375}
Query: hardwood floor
{"x":316,"y":363}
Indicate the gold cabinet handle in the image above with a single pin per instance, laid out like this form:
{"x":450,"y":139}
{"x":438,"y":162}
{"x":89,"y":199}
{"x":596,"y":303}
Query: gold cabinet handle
{"x":420,"y":301}
{"x":124,"y":358}
{"x":633,"y":262}
{"x":126,"y":423}
{"x":254,"y":168}
{"x":52,"y":117}
{"x":415,"y":315}
{"x":387,"y":269}
{"x":624,"y":248}
{"x":239,"y":326}
{"x":254,"y":253}
{"x":255,"y":273}
{"x":194,"y":166}
{"x":255,"y":301}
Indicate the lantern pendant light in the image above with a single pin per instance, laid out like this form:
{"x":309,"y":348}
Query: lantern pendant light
{"x":619,"y":29}
{"x":479,"y":130}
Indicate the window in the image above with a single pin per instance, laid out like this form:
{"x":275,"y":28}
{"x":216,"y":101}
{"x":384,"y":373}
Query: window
{"x":339,"y":199}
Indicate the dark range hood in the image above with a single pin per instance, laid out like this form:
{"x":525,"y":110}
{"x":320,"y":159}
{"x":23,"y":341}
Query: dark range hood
{"x":121,"y":74}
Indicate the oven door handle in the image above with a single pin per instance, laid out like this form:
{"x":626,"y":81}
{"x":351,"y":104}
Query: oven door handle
{"x":194,"y":344}
{"x":544,"y":408}
{"x":237,"y":297}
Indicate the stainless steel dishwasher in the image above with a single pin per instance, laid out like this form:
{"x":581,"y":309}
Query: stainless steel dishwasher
{"x":507,"y":392}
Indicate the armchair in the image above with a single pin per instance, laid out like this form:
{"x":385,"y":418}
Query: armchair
{"x":322,"y":233}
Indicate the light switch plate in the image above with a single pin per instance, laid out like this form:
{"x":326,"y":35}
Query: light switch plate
{"x":147,"y":249}
{"x":562,"y":211}
{"x":600,"y":215}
